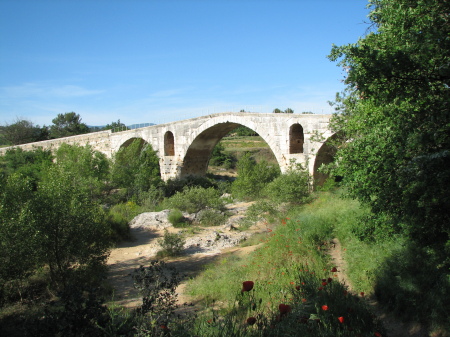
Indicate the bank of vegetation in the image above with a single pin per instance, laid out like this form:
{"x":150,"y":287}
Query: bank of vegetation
{"x":61,"y":213}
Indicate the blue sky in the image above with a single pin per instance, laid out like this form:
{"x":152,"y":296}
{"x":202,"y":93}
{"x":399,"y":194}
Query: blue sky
{"x":160,"y":61}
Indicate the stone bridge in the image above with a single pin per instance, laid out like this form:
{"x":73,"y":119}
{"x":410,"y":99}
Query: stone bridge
{"x":184,"y":147}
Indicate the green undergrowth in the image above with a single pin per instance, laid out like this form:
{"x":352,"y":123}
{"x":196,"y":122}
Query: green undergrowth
{"x":385,"y":266}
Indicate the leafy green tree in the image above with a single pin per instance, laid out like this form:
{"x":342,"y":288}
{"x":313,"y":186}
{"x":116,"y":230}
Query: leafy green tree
{"x":28,"y":163}
{"x":89,"y":166}
{"x":252,"y":177}
{"x":18,"y":243}
{"x":294,"y":186}
{"x":136,"y":167}
{"x":277,"y":111}
{"x":69,"y":226}
{"x":287,"y":111}
{"x":68,"y":124}
{"x":396,"y":112}
{"x":115,"y":125}
{"x":23,"y":131}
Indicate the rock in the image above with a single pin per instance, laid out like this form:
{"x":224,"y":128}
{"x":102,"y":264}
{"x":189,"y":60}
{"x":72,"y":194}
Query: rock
{"x":151,"y":220}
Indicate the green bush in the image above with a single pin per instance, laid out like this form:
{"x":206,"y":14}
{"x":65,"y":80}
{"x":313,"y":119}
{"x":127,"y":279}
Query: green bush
{"x":293,"y":186}
{"x":252,"y":177}
{"x":194,"y":199}
{"x":211,"y":217}
{"x":176,"y":217}
{"x":171,"y":243}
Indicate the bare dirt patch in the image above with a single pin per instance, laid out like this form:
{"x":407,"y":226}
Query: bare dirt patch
{"x":201,"y":248}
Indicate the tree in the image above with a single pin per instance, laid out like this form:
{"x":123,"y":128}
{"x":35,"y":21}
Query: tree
{"x":252,"y":177}
{"x":136,"y":167}
{"x":396,"y":112}
{"x":68,"y":124}
{"x":70,"y":227}
{"x":115,"y":125}
{"x":23,"y":131}
{"x":287,"y":111}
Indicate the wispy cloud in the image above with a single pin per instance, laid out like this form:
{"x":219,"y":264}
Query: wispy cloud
{"x":38,"y":90}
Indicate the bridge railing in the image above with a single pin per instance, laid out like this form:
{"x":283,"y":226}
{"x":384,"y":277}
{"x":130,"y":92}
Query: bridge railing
{"x":132,"y":127}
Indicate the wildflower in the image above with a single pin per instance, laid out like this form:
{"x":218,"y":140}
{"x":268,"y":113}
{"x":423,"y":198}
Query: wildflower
{"x":324,"y":283}
{"x":362,"y":293}
{"x":334,"y":269}
{"x":341,"y":319}
{"x":324,"y":307}
{"x":329,"y":280}
{"x":251,"y":320}
{"x":284,"y":309}
{"x":320,"y":288}
{"x":377,"y":334}
{"x":297,"y":287}
{"x":247,"y":286}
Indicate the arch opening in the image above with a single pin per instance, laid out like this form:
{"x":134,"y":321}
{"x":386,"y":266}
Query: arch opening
{"x":198,"y":155}
{"x":169,"y":144}
{"x":325,"y":156}
{"x":296,"y":139}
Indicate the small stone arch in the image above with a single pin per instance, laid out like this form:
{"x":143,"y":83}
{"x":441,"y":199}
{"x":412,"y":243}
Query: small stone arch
{"x":296,"y":138}
{"x":169,"y":144}
{"x":129,"y":141}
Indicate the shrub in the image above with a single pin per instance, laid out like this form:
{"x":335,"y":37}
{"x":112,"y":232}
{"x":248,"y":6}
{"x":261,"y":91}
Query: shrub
{"x":252,"y":177}
{"x":211,"y":217}
{"x":171,"y":243}
{"x":176,"y":217}
{"x":193,"y":199}
{"x":293,"y":186}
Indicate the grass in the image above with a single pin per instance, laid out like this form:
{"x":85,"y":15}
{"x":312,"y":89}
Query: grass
{"x":287,"y":268}
{"x":388,"y":268}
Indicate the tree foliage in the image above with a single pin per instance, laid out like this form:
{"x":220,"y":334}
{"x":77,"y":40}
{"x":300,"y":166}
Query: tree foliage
{"x":287,"y":111}
{"x":68,"y":124}
{"x":23,"y":131}
{"x":395,"y":111}
{"x":252,"y":177}
{"x":136,"y":167}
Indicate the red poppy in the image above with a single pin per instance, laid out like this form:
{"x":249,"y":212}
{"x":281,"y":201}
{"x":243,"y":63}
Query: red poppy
{"x":377,"y":334}
{"x":247,"y":286}
{"x":324,"y":307}
{"x":164,"y":327}
{"x":329,"y":280}
{"x":341,"y":319}
{"x":320,"y":288}
{"x":251,"y":320}
{"x":362,"y":293}
{"x":334,"y":269}
{"x":297,"y":287}
{"x":324,"y":283}
{"x":284,"y":309}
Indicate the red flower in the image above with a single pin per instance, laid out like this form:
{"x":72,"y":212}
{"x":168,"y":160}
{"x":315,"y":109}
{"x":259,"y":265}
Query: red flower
{"x":164,"y":327}
{"x":362,"y":293}
{"x":297,"y":287}
{"x":247,"y":286}
{"x":324,"y":307}
{"x":324,"y":283}
{"x":329,"y":280}
{"x":341,"y":319}
{"x":251,"y":320}
{"x":334,"y":269}
{"x":377,"y":334}
{"x":284,"y":309}
{"x":320,"y":288}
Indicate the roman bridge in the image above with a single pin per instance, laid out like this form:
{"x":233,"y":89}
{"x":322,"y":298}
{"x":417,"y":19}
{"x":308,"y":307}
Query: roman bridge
{"x":184,"y":147}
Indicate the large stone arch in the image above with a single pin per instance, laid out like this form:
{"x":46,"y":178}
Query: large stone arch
{"x":201,"y":144}
{"x":325,"y":155}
